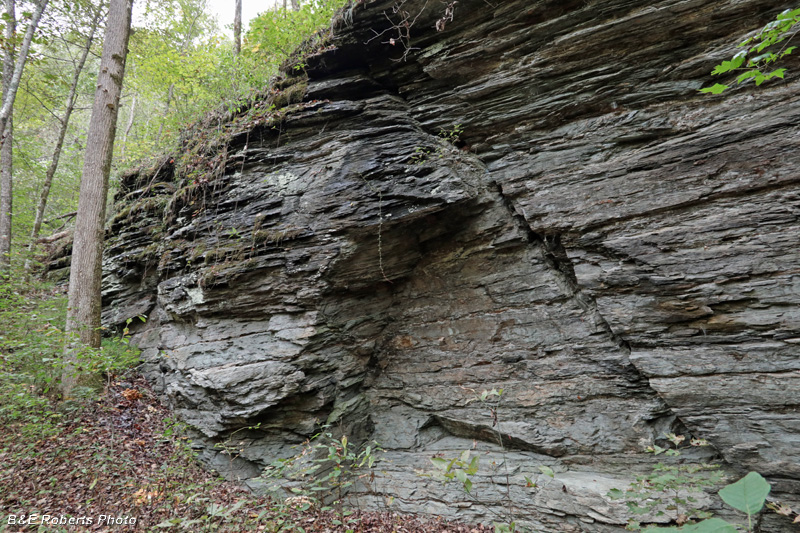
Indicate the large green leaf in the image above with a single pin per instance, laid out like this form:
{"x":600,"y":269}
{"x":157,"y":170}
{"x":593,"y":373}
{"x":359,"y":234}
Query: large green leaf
{"x":715,"y":89}
{"x":712,"y":525}
{"x":748,"y":494}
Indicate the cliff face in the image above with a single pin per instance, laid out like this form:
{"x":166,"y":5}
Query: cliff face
{"x":535,"y":199}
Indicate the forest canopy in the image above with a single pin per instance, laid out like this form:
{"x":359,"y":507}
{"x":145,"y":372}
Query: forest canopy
{"x":181,"y":65}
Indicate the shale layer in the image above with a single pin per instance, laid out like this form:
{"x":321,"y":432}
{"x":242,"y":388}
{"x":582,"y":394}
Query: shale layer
{"x":534,"y":199}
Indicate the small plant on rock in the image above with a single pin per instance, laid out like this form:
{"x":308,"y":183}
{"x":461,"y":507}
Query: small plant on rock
{"x":465,"y":466}
{"x":325,"y":469}
{"x":670,"y":487}
{"x":747,"y":495}
{"x":448,"y":139}
{"x":760,"y":51}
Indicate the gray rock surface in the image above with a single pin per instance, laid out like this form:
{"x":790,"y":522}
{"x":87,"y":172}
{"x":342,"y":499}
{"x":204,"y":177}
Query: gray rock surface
{"x":615,"y":251}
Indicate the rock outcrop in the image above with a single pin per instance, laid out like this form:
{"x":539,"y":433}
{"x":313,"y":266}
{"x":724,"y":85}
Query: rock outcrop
{"x":535,"y":199}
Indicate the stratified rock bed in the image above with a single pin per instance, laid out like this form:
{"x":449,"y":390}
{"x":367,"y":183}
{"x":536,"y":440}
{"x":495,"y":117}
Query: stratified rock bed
{"x":615,"y":251}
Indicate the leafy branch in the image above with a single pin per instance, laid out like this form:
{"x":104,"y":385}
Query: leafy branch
{"x":754,"y":60}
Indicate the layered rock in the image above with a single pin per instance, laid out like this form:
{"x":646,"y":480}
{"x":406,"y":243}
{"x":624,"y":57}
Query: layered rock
{"x":535,"y":199}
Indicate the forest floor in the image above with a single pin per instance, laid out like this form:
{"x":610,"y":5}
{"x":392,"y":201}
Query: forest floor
{"x":121,"y":458}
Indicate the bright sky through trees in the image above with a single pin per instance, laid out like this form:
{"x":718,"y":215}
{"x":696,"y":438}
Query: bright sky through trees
{"x":223,"y":10}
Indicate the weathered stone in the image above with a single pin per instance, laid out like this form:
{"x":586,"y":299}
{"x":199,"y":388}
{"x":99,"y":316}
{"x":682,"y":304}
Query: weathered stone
{"x":615,"y":251}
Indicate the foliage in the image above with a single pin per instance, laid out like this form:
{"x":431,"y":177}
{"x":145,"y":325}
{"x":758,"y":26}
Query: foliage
{"x":32,"y":341}
{"x":746,"y":495}
{"x":175,"y":64}
{"x":760,"y":53}
{"x":39,"y":107}
{"x":448,"y":138}
{"x":464,"y":467}
{"x":325,"y":468}
{"x":671,"y":487}
{"x":274,"y":35}
{"x":180,"y":67}
{"x":460,"y":468}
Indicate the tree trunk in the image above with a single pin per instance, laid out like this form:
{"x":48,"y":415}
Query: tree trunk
{"x":8,"y":99}
{"x":170,"y":93}
{"x":83,"y":309}
{"x":295,"y":5}
{"x":129,"y":126}
{"x":51,"y":169}
{"x":6,"y":151}
{"x":237,"y":28}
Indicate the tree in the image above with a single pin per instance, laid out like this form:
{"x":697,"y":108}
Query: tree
{"x":84,"y":304}
{"x":237,"y":28}
{"x":64,"y":120}
{"x":11,"y":81}
{"x":8,"y":99}
{"x":6,"y":151}
{"x":173,"y":67}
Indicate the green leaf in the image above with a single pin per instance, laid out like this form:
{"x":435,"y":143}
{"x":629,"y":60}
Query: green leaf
{"x":473,"y":465}
{"x":748,"y":494}
{"x":747,"y":75}
{"x":615,"y":494}
{"x":440,"y":463}
{"x":546,"y":470}
{"x":712,"y":525}
{"x":715,"y":89}
{"x":727,"y":66}
{"x":776,"y":73}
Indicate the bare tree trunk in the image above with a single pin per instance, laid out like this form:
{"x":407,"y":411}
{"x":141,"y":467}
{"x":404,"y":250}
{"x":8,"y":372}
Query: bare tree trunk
{"x":8,"y":99}
{"x":295,"y":5}
{"x":129,"y":126}
{"x":51,"y":169}
{"x":6,"y":151}
{"x":170,"y":94}
{"x":284,"y":5}
{"x":83,"y":309}
{"x":237,"y":28}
